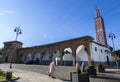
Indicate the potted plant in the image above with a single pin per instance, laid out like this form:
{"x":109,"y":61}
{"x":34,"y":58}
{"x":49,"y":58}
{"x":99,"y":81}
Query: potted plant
{"x":91,"y":71}
{"x":100,"y":68}
{"x":78,"y":76}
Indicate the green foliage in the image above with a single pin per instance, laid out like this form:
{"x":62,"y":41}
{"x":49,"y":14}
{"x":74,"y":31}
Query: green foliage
{"x":116,"y":53}
{"x":67,"y":52}
{"x":3,"y":76}
{"x":1,"y":51}
{"x":116,"y":59}
{"x":2,"y":73}
{"x":90,"y":67}
{"x":99,"y":65}
{"x":111,"y":49}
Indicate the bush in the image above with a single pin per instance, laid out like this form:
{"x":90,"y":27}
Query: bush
{"x":89,"y":67}
{"x":2,"y":73}
{"x":100,"y":66}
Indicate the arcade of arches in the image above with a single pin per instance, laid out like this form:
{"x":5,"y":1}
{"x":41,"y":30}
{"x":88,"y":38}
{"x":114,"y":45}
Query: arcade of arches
{"x":47,"y":53}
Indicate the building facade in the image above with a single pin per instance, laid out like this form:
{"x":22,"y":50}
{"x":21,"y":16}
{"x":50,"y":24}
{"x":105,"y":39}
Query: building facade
{"x":9,"y":53}
{"x":68,"y":52}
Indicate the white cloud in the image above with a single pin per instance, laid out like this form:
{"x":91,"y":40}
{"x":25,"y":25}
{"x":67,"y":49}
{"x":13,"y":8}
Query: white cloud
{"x":7,"y":12}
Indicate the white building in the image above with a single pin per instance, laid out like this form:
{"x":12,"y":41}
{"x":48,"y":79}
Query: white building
{"x":99,"y":54}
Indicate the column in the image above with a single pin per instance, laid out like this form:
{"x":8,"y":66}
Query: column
{"x":61,"y":56}
{"x":89,"y":54}
{"x":41,"y":56}
{"x":74,"y":55}
{"x":50,"y":56}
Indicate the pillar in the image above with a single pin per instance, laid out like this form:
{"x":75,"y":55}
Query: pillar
{"x":41,"y":56}
{"x":89,"y":54}
{"x":61,"y":56}
{"x":74,"y":55}
{"x":50,"y":56}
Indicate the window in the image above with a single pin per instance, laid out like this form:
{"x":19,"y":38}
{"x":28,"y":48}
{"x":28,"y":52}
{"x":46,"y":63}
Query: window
{"x":95,"y":48}
{"x":85,"y":49}
{"x":100,"y":29}
{"x":101,"y":50}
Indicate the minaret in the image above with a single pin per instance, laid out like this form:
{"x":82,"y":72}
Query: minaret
{"x":100,"y":29}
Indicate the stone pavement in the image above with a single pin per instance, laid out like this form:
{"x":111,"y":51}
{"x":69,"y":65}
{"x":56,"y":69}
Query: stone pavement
{"x":38,"y":73}
{"x":29,"y":76}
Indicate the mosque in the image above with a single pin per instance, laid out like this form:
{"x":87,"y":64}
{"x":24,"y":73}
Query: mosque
{"x":67,"y":52}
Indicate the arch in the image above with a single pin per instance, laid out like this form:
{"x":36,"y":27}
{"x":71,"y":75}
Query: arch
{"x":22,"y":58}
{"x":56,"y":54}
{"x":67,"y":56}
{"x":6,"y":59}
{"x":81,"y":54}
{"x":36,"y":59}
{"x":36,"y":56}
{"x":45,"y":58}
{"x":28,"y":58}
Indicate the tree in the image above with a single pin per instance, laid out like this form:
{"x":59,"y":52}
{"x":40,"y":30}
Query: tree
{"x":111,"y":48}
{"x":116,"y":55}
{"x":1,"y":49}
{"x":67,"y":52}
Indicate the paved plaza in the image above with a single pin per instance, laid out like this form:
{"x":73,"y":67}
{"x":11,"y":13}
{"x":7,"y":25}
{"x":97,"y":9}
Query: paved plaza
{"x":38,"y":73}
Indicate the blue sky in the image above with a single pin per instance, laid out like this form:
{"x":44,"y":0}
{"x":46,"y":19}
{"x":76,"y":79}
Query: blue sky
{"x":48,"y":21}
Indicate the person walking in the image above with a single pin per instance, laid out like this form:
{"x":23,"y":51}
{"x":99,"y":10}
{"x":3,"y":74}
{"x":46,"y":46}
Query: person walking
{"x":51,"y":69}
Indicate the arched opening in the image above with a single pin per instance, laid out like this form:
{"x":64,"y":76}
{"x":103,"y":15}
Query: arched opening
{"x":67,"y":57}
{"x":22,"y":58}
{"x":36,"y":58}
{"x":56,"y":56}
{"x":81,"y":55}
{"x":108,"y":62}
{"x":45,"y":59}
{"x":6,"y":59}
{"x":28,"y":58}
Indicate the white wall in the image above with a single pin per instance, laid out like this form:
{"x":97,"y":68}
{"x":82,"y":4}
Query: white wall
{"x":46,"y":56}
{"x":29,"y":57}
{"x":57,"y":54}
{"x":36,"y":55}
{"x":98,"y":55}
{"x":67,"y":57}
{"x":81,"y":54}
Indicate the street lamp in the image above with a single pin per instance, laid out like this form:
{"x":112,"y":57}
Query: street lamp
{"x":112,"y":36}
{"x":18,"y":31}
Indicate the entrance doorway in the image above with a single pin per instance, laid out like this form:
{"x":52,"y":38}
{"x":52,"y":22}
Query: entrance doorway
{"x":6,"y":59}
{"x":108,"y":62}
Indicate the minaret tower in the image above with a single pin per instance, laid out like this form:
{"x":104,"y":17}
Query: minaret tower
{"x":100,"y":29}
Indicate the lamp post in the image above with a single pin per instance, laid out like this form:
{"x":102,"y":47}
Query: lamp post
{"x":112,"y":36}
{"x":18,"y":31}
